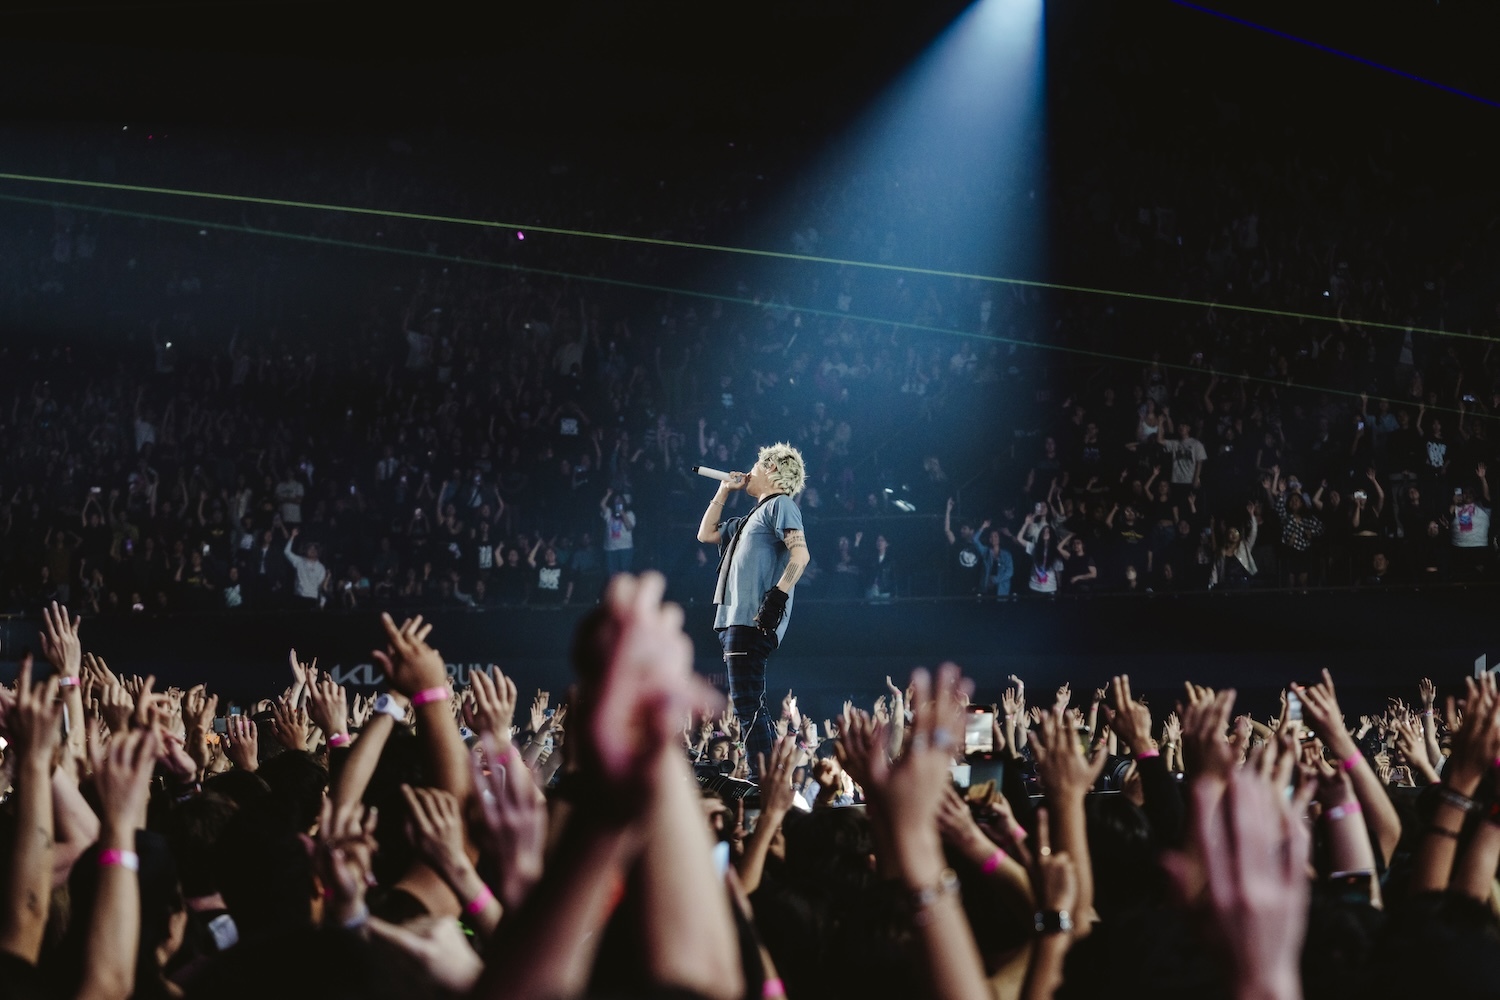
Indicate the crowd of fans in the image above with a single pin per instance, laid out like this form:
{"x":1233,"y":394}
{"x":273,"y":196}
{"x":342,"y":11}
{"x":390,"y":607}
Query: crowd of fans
{"x":469,"y":436}
{"x":437,"y":842}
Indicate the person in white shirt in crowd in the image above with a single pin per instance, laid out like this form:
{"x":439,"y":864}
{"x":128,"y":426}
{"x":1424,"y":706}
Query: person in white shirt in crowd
{"x":311,"y":586}
{"x":619,"y":533}
{"x":1469,"y":528}
{"x":289,"y":494}
{"x":1188,"y":456}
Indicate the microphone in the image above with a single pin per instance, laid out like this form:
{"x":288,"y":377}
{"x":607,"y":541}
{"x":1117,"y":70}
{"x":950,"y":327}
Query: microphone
{"x":708,"y":473}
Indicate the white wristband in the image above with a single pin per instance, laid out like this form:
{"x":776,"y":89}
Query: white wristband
{"x":387,"y":705}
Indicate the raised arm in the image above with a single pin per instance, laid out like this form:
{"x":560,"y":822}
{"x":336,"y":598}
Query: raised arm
{"x":713,"y":515}
{"x":1320,"y":703}
{"x":948,"y":522}
{"x":418,"y":671}
{"x":34,"y":728}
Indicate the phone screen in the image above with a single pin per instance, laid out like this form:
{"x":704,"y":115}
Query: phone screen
{"x":979,"y":732}
{"x":1293,"y":707}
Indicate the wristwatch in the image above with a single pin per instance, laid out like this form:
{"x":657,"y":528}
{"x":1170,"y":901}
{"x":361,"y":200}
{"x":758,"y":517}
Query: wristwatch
{"x":1053,"y":922}
{"x":390,"y":706}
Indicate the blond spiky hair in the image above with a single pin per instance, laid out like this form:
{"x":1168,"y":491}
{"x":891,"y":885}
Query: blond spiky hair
{"x":790,"y":475}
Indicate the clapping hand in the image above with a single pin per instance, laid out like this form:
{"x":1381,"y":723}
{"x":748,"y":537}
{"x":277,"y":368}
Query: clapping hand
{"x":515,"y":817}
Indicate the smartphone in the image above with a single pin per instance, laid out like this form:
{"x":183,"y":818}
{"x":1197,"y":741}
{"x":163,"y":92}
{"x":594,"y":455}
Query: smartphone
{"x":979,"y":731}
{"x":1293,"y":707}
{"x":721,"y":857}
{"x":221,"y":725}
{"x":960,"y":773}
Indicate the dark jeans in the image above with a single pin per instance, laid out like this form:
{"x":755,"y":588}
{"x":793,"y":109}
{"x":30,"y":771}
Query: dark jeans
{"x":746,"y":650}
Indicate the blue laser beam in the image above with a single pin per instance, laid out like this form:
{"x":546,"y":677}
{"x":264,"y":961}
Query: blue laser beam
{"x":1371,"y":63}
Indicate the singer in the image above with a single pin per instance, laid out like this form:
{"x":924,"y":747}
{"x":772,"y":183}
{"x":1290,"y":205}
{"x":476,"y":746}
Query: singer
{"x":761,"y":557}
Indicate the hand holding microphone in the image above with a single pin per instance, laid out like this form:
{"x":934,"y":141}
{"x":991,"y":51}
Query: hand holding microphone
{"x":729,"y":480}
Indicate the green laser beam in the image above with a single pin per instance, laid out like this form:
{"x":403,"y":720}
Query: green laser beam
{"x":712,"y":296}
{"x":748,"y":251}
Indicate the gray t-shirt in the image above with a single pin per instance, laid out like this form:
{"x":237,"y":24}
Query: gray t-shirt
{"x":757,"y":563}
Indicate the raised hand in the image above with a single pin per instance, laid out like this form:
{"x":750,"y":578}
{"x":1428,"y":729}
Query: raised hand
{"x":1054,"y":873}
{"x":302,"y":673}
{"x":912,"y":787}
{"x":436,"y":829}
{"x":328,"y":706}
{"x":1320,"y":706}
{"x":1206,"y":751}
{"x":1132,"y":719}
{"x":289,"y":724}
{"x":515,"y":818}
{"x":35,"y":719}
{"x":1477,"y":745}
{"x":96,"y":666}
{"x":1065,"y":772}
{"x":59,"y":640}
{"x":861,"y":749}
{"x":494,"y":704}
{"x":789,"y":711}
{"x":116,"y":707}
{"x":345,"y":852}
{"x":145,"y":702}
{"x":1171,"y":729}
{"x":1428,"y":691}
{"x":1253,"y":847}
{"x":242,"y":742}
{"x":1064,"y":696}
{"x":360,"y":711}
{"x":122,"y":780}
{"x":411,"y":666}
{"x":538,"y":714}
{"x":1413,"y":746}
{"x":776,"y":792}
{"x":646,"y":685}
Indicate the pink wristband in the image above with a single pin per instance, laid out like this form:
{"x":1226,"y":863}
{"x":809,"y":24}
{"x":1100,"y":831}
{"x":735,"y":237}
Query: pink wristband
{"x":1019,"y":833}
{"x":129,"y":860}
{"x":1350,"y":808}
{"x":338,"y":739}
{"x":1148,"y":754}
{"x":772,"y":989}
{"x":68,"y":682}
{"x":475,"y":906}
{"x":430,"y":695}
{"x":994,"y":861}
{"x":1351,"y":762}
